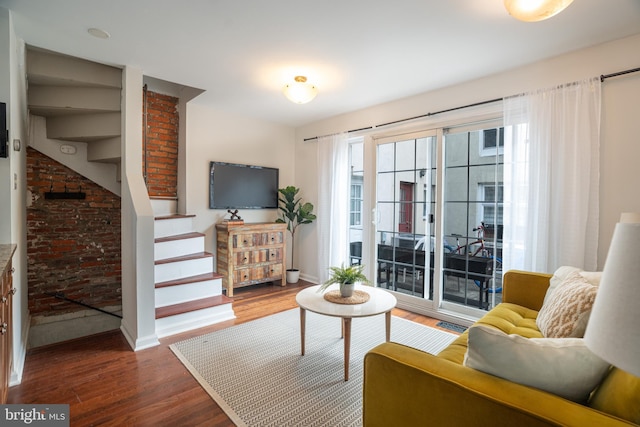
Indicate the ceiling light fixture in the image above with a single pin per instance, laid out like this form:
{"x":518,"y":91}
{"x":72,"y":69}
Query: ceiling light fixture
{"x":535,"y":10}
{"x":300,"y":91}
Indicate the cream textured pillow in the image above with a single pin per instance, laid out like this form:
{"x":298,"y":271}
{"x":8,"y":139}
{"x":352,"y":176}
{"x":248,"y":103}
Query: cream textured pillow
{"x":561,"y":274}
{"x":562,"y":366}
{"x":558,"y":277}
{"x":566,"y":310}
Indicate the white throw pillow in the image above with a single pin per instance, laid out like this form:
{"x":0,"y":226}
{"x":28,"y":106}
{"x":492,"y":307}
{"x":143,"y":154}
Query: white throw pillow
{"x":562,"y":366}
{"x":566,"y":312}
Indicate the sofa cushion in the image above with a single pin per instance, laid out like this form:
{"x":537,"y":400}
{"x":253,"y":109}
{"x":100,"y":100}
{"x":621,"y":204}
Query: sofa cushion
{"x":562,"y":366}
{"x":509,"y":318}
{"x":566,"y":310}
{"x":618,"y":395}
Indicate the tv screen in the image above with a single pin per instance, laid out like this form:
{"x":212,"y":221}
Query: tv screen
{"x":235,"y":186}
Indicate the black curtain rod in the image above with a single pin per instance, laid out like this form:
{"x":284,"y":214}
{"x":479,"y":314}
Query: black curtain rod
{"x":418,"y":117}
{"x":349,"y":131}
{"x":603,"y":77}
{"x":440,"y":112}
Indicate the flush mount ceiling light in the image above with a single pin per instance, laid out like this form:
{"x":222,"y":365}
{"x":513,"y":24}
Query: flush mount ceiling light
{"x":535,"y":10}
{"x":300,"y":91}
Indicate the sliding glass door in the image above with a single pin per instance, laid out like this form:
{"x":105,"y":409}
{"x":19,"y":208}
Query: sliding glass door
{"x":437,"y":216}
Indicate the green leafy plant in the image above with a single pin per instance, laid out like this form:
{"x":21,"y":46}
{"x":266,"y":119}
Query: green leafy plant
{"x":294,"y":213}
{"x":345,"y":275}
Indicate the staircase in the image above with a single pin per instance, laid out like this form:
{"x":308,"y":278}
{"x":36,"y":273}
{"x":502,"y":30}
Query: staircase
{"x":188,"y":294}
{"x":76,"y":101}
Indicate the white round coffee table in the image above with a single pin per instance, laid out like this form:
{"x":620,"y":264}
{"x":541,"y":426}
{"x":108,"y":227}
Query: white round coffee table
{"x":380,"y":301}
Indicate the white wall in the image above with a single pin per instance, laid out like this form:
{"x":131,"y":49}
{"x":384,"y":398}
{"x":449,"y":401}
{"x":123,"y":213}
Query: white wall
{"x":620,"y":153}
{"x":138,"y":300}
{"x":214,"y":135}
{"x":620,"y":147}
{"x":6,"y":36}
{"x":13,"y":182}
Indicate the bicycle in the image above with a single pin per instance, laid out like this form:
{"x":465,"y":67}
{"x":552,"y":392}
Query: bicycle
{"x":481,"y":251}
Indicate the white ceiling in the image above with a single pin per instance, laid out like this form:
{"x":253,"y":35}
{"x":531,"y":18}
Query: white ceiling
{"x":358,"y":52}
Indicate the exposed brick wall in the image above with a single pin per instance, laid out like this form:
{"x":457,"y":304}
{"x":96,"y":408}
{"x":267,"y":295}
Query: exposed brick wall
{"x":161,"y":157}
{"x":73,"y":246}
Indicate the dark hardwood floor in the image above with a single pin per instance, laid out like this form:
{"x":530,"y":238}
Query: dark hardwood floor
{"x":107,"y":384}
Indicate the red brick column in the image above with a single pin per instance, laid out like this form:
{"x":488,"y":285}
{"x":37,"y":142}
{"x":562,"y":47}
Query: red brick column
{"x":161,"y":156}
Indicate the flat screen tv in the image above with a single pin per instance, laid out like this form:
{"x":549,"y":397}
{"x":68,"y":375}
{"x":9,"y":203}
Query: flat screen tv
{"x":236,"y":186}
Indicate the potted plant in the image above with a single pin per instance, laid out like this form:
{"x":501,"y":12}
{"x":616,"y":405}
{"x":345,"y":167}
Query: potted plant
{"x":293,"y":213}
{"x":346,"y":277}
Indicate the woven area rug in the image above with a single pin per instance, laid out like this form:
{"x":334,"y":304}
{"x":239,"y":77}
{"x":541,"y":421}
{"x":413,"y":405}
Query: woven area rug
{"x":255,"y":372}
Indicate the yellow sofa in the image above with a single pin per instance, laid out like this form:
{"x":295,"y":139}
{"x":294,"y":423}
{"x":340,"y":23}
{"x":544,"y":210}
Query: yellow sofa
{"x":408,"y":387}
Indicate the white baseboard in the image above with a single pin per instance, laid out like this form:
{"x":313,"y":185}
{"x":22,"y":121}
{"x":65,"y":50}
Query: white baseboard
{"x":17,"y":367}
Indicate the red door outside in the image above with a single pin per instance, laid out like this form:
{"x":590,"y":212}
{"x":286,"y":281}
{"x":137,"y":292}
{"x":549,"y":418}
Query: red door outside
{"x":405,"y":224}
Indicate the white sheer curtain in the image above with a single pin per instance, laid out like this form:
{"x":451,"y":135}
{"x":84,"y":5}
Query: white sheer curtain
{"x":333,"y":203}
{"x":551,"y":161}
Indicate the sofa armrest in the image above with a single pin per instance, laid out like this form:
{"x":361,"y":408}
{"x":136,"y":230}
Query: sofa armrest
{"x":408,"y":387}
{"x":525,"y":288}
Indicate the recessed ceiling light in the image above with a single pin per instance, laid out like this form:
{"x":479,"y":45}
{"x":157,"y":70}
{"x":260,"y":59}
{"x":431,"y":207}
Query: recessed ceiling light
{"x":97,"y":32}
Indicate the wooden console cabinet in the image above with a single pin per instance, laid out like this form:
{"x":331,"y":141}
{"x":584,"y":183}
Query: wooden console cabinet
{"x":6,"y":293}
{"x":250,"y":253}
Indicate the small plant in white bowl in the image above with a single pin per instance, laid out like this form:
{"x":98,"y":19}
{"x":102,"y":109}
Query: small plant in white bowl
{"x":346,"y":277}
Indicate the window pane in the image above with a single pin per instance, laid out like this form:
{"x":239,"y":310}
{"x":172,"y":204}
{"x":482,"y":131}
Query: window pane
{"x":386,"y":217}
{"x":456,"y":150}
{"x":405,"y":155}
{"x":385,"y":157}
{"x":386,"y":190}
{"x":455,"y":184}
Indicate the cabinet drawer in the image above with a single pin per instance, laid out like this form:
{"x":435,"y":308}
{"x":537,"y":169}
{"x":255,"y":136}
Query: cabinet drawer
{"x":273,"y":271}
{"x":243,"y":275}
{"x":275,"y":254}
{"x":243,"y":241}
{"x":243,"y":258}
{"x":258,"y":274}
{"x":266,"y":272}
{"x":275,"y":238}
{"x":266,"y":255}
